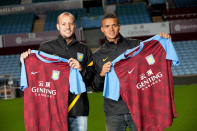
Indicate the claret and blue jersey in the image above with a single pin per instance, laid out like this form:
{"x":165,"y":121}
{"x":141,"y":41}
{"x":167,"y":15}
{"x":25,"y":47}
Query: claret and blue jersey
{"x":76,"y":83}
{"x":142,"y":77}
{"x":46,"y":81}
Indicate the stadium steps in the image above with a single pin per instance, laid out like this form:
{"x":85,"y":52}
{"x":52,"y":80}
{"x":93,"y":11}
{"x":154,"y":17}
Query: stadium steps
{"x":38,"y":25}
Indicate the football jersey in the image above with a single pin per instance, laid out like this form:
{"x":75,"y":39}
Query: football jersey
{"x":143,"y":78}
{"x":46,"y":81}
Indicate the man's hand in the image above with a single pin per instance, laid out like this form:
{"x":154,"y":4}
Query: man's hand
{"x":75,"y":64}
{"x":106,"y":68}
{"x":25,"y":55}
{"x":164,"y":35}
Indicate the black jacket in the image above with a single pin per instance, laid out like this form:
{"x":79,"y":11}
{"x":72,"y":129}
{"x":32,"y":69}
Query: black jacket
{"x":75,"y":49}
{"x":108,"y":52}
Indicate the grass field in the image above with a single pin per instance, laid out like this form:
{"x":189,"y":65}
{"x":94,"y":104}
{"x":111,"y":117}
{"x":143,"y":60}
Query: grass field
{"x":11,"y":111}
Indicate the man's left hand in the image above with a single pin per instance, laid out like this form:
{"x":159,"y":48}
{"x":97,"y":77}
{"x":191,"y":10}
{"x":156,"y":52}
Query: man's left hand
{"x":164,"y":35}
{"x":74,"y":64}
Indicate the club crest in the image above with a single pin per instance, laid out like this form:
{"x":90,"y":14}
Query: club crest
{"x":150,"y":59}
{"x":80,"y":56}
{"x":55,"y":75}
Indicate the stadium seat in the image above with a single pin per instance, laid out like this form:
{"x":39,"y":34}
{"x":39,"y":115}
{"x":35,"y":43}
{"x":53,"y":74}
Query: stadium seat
{"x":16,"y":23}
{"x":10,"y":64}
{"x":91,"y":21}
{"x":185,"y":3}
{"x":37,"y":1}
{"x":9,"y":2}
{"x":133,"y":14}
{"x":187,"y":53}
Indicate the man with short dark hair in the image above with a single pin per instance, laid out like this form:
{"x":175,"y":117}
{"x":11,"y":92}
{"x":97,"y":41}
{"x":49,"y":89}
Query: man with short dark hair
{"x":117,"y":114}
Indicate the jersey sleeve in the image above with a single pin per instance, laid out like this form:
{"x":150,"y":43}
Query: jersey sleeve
{"x":168,"y":47}
{"x":76,"y":83}
{"x":170,"y":51}
{"x":111,"y":84}
{"x":23,"y":81}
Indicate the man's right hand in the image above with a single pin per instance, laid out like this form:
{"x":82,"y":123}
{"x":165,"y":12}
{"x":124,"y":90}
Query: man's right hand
{"x":106,"y":68}
{"x":25,"y":55}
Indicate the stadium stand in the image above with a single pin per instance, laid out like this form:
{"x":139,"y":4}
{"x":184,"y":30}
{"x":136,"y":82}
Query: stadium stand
{"x":90,"y":18}
{"x":116,"y":1}
{"x":81,"y":12}
{"x":155,"y":2}
{"x":93,"y":18}
{"x":16,"y":23}
{"x":91,"y":21}
{"x":10,"y":65}
{"x":133,"y":14}
{"x":187,"y":53}
{"x":9,"y":2}
{"x":96,"y":11}
{"x":37,"y":1}
{"x":185,"y":3}
{"x":180,"y":13}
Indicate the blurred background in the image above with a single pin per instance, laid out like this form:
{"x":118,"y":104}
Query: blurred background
{"x":25,"y":24}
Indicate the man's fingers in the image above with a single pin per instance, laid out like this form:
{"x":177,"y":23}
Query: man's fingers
{"x":108,"y":64}
{"x":72,"y":64}
{"x":164,"y":35}
{"x":24,"y":55}
{"x":29,"y":51}
{"x":70,"y":60}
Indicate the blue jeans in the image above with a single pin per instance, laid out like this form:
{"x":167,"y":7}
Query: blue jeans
{"x":120,"y":123}
{"x":78,"y":123}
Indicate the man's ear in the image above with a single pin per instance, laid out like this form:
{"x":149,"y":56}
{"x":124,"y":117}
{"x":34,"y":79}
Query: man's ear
{"x":57,"y":26}
{"x":101,"y":29}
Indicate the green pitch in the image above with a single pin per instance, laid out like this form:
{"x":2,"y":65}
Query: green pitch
{"x":11,"y":111}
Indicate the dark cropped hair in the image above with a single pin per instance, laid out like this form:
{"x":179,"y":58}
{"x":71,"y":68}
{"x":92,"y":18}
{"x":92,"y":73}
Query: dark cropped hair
{"x":106,"y":16}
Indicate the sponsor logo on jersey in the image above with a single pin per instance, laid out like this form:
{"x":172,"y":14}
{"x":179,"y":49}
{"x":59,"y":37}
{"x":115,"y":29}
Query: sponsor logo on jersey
{"x":130,"y":71}
{"x":104,"y":59}
{"x":80,"y":56}
{"x":150,"y":59}
{"x":33,"y":73}
{"x":55,"y":75}
{"x":43,"y":89}
{"x":149,"y":79}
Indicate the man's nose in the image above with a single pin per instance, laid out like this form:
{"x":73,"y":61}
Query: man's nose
{"x":67,"y":26}
{"x":111,"y":28}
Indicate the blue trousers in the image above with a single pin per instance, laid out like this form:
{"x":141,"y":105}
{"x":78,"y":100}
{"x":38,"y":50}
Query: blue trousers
{"x":120,"y":123}
{"x":78,"y":123}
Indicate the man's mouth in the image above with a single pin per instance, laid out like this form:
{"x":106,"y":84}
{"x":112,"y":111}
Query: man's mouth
{"x":68,"y":31}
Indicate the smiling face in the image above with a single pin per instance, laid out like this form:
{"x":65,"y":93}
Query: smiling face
{"x":110,"y":28}
{"x":66,"y":25}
